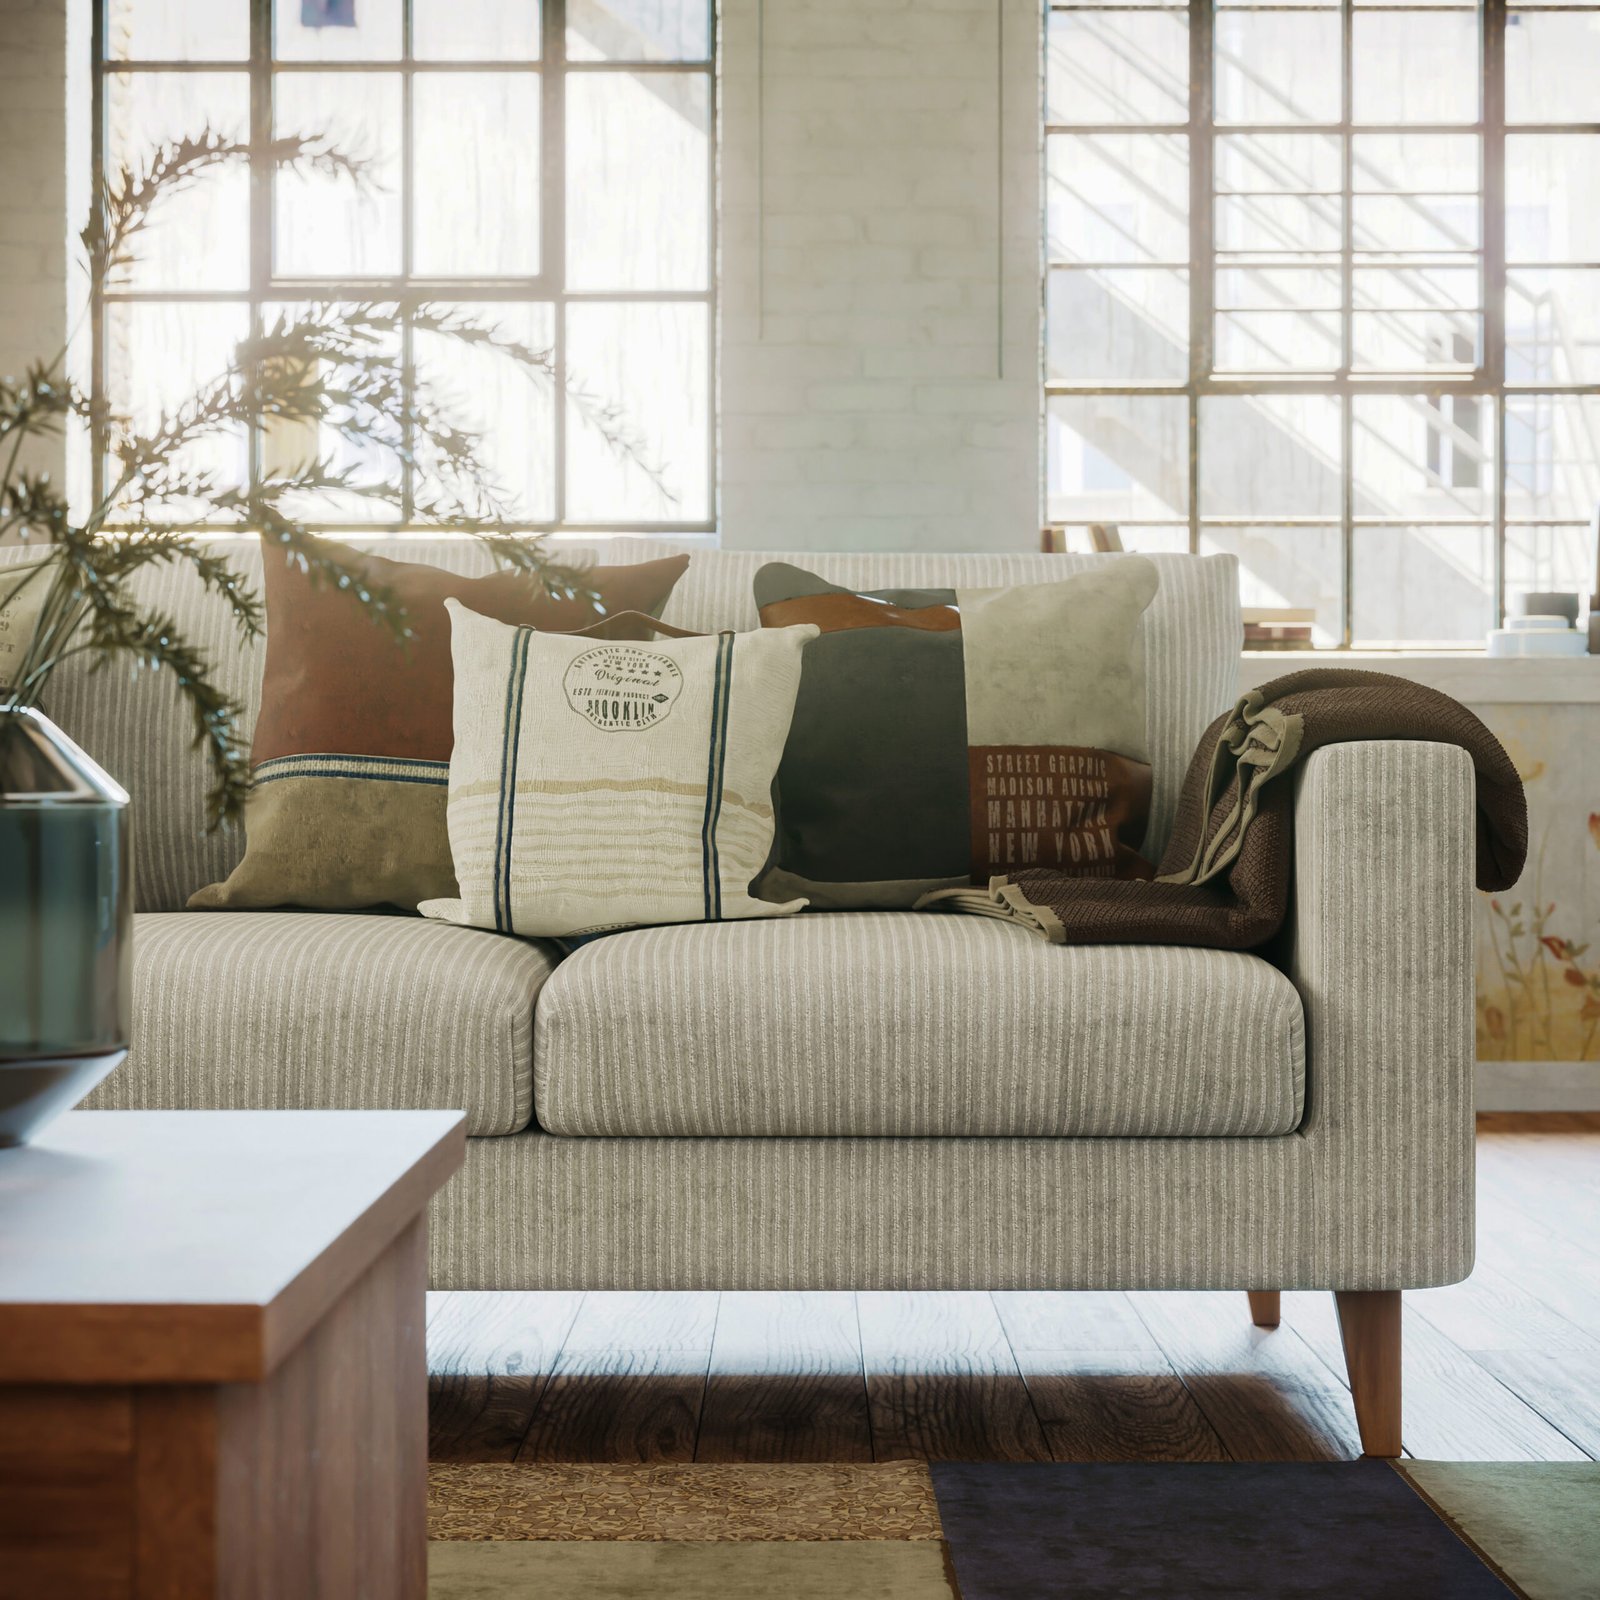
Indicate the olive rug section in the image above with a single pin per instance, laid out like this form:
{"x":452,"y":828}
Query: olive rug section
{"x":507,"y":1501}
{"x":683,"y":1570}
{"x":1244,"y":1530}
{"x":1537,"y":1522}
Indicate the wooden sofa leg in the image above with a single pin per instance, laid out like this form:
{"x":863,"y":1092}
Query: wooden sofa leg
{"x":1369,"y":1324}
{"x":1264,"y":1308}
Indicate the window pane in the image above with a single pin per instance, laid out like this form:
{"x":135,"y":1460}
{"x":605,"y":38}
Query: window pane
{"x":1118,"y":324}
{"x":1552,"y":457}
{"x":1423,"y":458}
{"x":325,"y":227}
{"x":476,"y":154}
{"x":1275,"y":224}
{"x":1416,"y":192}
{"x":177,"y":30}
{"x":1278,"y":66}
{"x":318,"y":30}
{"x":1117,"y":197}
{"x":1551,"y":182}
{"x":1118,"y":67}
{"x":1155,"y":538}
{"x":638,"y":179}
{"x":1421,"y":585}
{"x":1552,"y":66}
{"x":1117,"y":458}
{"x":336,"y":29}
{"x":1287,"y":570}
{"x":486,"y":30}
{"x":1277,"y":319}
{"x":1416,"y":319}
{"x":286,"y":448}
{"x":512,"y":408}
{"x":1552,"y":326}
{"x":1415,"y":66}
{"x":639,"y":30}
{"x":157,"y":355}
{"x":198,"y":236}
{"x":1270,"y":456}
{"x":1275,"y":163}
{"x":1559,"y":559}
{"x":650,"y":362}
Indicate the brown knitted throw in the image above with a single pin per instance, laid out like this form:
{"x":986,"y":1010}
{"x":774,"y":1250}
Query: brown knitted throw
{"x":1224,"y":880}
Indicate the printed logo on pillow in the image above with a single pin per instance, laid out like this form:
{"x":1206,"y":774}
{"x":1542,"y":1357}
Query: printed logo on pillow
{"x":622,"y":689}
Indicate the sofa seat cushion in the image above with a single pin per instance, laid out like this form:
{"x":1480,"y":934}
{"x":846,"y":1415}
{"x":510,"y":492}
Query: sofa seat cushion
{"x":309,"y":1010}
{"x":900,"y":1023}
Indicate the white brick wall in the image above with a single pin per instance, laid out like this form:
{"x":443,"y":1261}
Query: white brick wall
{"x":33,"y":189}
{"x":862,"y":402}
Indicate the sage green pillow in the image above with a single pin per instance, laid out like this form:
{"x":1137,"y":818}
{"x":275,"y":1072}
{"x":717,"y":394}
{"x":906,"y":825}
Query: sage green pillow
{"x":941,"y":736}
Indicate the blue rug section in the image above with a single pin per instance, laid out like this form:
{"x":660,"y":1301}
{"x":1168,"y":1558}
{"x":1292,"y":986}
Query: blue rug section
{"x":1339,"y":1530}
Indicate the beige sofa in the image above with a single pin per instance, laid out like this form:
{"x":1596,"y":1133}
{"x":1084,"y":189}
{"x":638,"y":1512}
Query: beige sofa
{"x":875,"y":1100}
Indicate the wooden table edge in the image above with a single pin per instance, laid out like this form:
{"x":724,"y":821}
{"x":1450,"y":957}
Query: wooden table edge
{"x":58,"y":1343}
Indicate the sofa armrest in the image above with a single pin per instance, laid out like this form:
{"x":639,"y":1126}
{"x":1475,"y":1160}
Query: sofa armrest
{"x":1382,"y":954}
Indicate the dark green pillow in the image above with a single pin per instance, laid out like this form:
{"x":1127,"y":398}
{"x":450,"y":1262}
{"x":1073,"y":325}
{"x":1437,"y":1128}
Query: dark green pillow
{"x":941,"y":736}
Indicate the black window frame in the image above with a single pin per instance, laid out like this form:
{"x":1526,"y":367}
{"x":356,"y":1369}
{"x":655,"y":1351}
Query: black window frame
{"x":406,"y":290}
{"x":1487,"y":381}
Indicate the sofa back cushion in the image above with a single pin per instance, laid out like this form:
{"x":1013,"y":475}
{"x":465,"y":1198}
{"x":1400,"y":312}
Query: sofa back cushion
{"x":136,"y":727}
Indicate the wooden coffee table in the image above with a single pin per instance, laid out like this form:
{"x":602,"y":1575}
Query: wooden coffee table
{"x":212,"y":1373}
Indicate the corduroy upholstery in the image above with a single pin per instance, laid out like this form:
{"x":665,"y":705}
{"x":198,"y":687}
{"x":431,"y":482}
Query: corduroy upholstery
{"x":244,"y":1010}
{"x":1373,"y":1191}
{"x":1372,"y":1188}
{"x":911,"y":1025}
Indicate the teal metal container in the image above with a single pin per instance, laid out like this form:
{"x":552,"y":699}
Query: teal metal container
{"x":66,"y":905}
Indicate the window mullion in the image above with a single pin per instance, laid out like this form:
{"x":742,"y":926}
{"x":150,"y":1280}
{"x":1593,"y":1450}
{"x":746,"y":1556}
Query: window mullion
{"x":1346,"y":322}
{"x":99,"y":434}
{"x":1202,"y":235}
{"x":261,"y":210}
{"x":1493,"y":179}
{"x":408,"y":475}
{"x":552,"y":228}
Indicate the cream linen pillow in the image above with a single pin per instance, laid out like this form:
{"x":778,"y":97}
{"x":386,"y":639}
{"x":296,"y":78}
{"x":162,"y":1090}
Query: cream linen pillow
{"x":599,"y":785}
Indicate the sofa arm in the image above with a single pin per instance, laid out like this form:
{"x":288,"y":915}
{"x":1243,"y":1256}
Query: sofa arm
{"x":1382,"y":954}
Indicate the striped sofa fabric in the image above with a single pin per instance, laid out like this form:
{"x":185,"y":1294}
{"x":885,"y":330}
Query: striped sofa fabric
{"x":894,"y":1101}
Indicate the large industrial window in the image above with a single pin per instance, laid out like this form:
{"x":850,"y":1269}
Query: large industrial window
{"x":546,"y":167}
{"x":1324,"y":291}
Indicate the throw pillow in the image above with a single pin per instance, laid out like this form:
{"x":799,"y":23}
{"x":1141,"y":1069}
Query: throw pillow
{"x":942,"y":736}
{"x":607,"y":785}
{"x":352,"y":743}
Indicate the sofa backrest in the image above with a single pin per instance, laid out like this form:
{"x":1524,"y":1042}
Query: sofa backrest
{"x":135,"y":725}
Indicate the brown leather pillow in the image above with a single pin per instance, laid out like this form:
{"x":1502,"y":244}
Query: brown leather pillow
{"x":351,"y":754}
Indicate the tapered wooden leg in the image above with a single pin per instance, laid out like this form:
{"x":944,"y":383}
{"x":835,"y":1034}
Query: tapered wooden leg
{"x":1264,"y":1308}
{"x":1369,"y":1323}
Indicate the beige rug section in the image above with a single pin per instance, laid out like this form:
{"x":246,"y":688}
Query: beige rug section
{"x":1537,"y":1521}
{"x":508,"y":1502}
{"x":547,"y":1569}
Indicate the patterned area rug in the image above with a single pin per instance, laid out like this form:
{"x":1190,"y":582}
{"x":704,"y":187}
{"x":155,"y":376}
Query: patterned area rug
{"x":952,"y":1531}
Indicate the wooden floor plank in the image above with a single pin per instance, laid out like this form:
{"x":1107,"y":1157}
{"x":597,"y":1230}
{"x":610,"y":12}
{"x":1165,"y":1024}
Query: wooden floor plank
{"x":490,"y":1356}
{"x":1100,"y":1384}
{"x":1453,"y":1408}
{"x":786,"y":1381}
{"x":942,"y":1384}
{"x":1564,"y":1386}
{"x":1264,"y":1391}
{"x":629,"y":1382}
